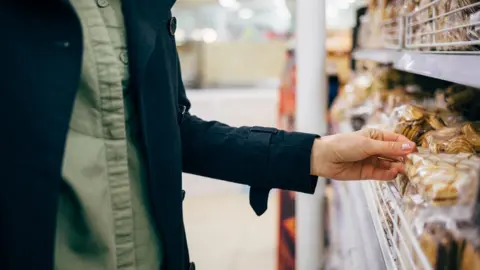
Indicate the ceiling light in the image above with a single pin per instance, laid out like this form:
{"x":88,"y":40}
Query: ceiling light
{"x":343,"y":5}
{"x":245,"y":14}
{"x":332,"y":12}
{"x":233,"y":4}
{"x":209,"y":35}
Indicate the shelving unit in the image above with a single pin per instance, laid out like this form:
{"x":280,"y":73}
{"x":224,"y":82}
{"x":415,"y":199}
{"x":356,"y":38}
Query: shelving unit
{"x":439,"y":65}
{"x":364,"y":240}
{"x":383,"y":56}
{"x":356,"y":244}
{"x":424,"y":53}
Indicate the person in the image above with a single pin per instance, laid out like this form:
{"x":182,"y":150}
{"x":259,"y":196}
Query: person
{"x":97,"y":131}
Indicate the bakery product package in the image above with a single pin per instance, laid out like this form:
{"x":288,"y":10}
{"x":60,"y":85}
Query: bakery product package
{"x":460,"y":138}
{"x":449,"y":246}
{"x":461,"y":18}
{"x":446,"y":184}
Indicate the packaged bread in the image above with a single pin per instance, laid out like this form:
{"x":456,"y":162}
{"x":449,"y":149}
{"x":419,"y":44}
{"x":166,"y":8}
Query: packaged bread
{"x":463,"y":99}
{"x":462,"y":138}
{"x":448,"y":247}
{"x":426,"y":25}
{"x":401,"y":183}
{"x":414,"y":122}
{"x":445,"y":179}
{"x":455,"y":15}
{"x":450,"y":118}
{"x":474,"y":31}
{"x":438,"y":247}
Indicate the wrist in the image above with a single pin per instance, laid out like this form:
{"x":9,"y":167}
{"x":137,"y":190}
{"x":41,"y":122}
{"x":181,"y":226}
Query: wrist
{"x":315,"y":157}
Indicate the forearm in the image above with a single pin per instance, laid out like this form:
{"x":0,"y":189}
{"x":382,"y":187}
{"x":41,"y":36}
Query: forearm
{"x":255,"y":156}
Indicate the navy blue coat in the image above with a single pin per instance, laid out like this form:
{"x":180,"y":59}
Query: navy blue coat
{"x":41,"y":53}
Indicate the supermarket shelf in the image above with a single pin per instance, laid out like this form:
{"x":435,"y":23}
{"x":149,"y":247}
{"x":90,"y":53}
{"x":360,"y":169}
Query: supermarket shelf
{"x":442,"y":66}
{"x":370,"y":242}
{"x":402,"y":248}
{"x":383,"y":56}
{"x":458,"y":68}
{"x":377,"y":221}
{"x":354,"y":237}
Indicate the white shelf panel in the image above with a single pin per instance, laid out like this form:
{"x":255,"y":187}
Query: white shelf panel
{"x":383,"y":56}
{"x":458,"y":68}
{"x":455,"y":67}
{"x":354,"y":237}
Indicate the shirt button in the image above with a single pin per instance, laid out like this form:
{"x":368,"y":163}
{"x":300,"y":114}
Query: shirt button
{"x":124,"y":57}
{"x":102,"y":3}
{"x":172,"y":26}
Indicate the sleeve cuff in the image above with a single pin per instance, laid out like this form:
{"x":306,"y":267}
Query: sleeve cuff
{"x":288,"y":166}
{"x":290,"y":160}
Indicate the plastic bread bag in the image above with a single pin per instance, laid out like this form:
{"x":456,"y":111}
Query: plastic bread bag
{"x":353,"y":95}
{"x":425,"y":25}
{"x":456,"y":19}
{"x":414,"y":122}
{"x":450,"y":118}
{"x":474,"y":31}
{"x":359,"y":115}
{"x":378,"y":120}
{"x":447,"y":183}
{"x":408,"y":7}
{"x":447,"y":245}
{"x":390,"y":24}
{"x":462,"y":138}
{"x":464,"y":100}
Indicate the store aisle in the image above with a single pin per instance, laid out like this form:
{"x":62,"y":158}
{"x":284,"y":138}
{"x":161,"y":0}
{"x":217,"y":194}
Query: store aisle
{"x":223,"y":232}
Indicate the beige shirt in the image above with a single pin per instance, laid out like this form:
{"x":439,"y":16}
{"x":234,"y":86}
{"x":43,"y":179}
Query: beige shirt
{"x":103,"y":216}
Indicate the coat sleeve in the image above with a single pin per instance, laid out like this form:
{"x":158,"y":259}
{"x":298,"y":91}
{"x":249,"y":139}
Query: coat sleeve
{"x":263,"y":158}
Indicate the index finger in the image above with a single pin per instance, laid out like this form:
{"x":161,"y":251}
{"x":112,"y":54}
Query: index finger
{"x":388,"y":136}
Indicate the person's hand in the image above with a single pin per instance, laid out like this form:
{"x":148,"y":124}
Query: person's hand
{"x":368,"y":154}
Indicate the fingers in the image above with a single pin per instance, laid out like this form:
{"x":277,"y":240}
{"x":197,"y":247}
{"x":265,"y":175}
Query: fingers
{"x":370,"y":172}
{"x":381,"y":163}
{"x":382,"y":135}
{"x":388,"y":148}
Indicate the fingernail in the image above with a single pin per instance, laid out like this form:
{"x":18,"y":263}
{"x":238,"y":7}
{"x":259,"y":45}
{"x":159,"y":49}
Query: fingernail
{"x":406,"y":146}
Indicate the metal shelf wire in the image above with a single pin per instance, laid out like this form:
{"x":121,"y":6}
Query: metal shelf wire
{"x":425,"y":29}
{"x":392,"y":33}
{"x":402,"y":250}
{"x":362,"y":232}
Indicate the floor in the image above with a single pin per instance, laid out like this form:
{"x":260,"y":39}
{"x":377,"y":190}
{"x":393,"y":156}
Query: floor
{"x":222,"y":230}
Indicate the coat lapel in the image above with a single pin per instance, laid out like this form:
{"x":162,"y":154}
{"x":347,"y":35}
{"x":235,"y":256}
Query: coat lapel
{"x":141,"y":38}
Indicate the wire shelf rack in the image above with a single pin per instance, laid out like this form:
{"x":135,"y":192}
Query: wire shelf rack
{"x":436,"y":27}
{"x":401,"y":249}
{"x":392,"y":33}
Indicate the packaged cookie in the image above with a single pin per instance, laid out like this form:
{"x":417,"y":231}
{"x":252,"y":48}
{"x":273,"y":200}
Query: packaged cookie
{"x":448,"y":245}
{"x":469,"y":247}
{"x":455,"y":15}
{"x":401,"y":183}
{"x":445,"y":180}
{"x":473,"y":33}
{"x":415,"y":123}
{"x":450,"y":118}
{"x":463,"y":99}
{"x":426,"y":25}
{"x":462,"y":138}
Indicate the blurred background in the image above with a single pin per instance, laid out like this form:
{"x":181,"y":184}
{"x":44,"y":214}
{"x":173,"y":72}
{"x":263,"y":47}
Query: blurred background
{"x":238,"y":67}
{"x":410,"y":66}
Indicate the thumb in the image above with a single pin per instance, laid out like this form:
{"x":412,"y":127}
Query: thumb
{"x":389,"y":148}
